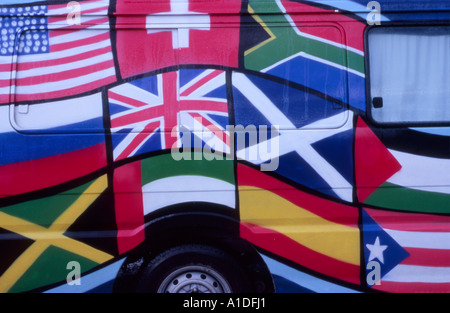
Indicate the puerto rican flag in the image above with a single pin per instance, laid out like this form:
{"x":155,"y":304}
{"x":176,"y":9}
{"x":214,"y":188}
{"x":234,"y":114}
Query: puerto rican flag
{"x":51,"y":58}
{"x":412,"y":250}
{"x":176,"y":32}
{"x":147,"y":113}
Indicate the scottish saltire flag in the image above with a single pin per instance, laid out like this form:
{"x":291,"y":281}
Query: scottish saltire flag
{"x":73,"y":145}
{"x":146,"y":113}
{"x":319,"y":58}
{"x":50,"y":58}
{"x":315,"y":136}
{"x":413,"y":250}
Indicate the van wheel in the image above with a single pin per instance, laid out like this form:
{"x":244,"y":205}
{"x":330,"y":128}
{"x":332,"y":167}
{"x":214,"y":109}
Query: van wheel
{"x":193,"y":269}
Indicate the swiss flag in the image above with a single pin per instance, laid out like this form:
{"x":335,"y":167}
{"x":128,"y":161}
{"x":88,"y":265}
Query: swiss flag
{"x":154,"y":35}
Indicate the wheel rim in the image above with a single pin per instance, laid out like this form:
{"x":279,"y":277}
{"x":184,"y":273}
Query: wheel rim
{"x":195,"y":279}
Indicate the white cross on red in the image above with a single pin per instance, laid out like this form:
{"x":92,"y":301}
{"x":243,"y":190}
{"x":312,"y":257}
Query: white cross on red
{"x":179,"y":21}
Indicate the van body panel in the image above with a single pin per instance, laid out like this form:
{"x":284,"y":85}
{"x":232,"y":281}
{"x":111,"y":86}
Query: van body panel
{"x":264,"y":124}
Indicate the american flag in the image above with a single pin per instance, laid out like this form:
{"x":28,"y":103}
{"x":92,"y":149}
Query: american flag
{"x":145,"y":112}
{"x":53,"y":57}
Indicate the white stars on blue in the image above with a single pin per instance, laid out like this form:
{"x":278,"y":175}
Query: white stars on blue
{"x":31,"y":23}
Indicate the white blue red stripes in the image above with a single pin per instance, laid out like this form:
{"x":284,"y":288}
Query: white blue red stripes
{"x":55,"y":59}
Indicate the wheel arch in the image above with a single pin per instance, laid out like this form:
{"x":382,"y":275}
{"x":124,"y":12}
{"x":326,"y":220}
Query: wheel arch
{"x":218,"y":229}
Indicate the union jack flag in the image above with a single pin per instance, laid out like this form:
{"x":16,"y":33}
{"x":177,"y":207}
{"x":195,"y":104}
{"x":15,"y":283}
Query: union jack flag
{"x":146,"y":112}
{"x":50,"y":58}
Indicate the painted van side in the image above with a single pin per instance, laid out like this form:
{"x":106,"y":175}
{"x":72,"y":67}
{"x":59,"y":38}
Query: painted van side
{"x":129,"y":129}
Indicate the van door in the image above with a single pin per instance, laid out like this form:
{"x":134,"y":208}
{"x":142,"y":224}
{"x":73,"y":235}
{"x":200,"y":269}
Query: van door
{"x":402,"y":157}
{"x":295,"y":161}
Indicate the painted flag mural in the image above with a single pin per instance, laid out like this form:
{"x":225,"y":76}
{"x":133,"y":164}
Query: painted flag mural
{"x":416,"y":184}
{"x":204,"y":110}
{"x":316,"y":233}
{"x":374,"y":163}
{"x":146,"y":113}
{"x":402,"y":172}
{"x":412,"y":249}
{"x":322,"y":52}
{"x":173,"y":39}
{"x":52,"y":59}
{"x":143,"y":114}
{"x":148,"y":186}
{"x":308,"y":134}
{"x":289,"y":279}
{"x":419,"y":198}
{"x":418,"y":187}
{"x":41,"y":245}
{"x":51,"y":159}
{"x":116,"y":115}
{"x":191,"y":177}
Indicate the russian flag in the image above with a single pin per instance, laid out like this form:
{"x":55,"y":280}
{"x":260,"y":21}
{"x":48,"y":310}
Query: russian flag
{"x":51,"y":143}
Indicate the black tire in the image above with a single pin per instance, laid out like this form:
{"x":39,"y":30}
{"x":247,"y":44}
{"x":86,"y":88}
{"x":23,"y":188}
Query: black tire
{"x":193,"y":268}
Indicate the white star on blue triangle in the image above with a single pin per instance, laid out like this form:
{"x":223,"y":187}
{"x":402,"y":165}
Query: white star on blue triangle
{"x":379,"y":246}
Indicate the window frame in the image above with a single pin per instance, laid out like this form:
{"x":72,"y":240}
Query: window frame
{"x":369,"y":106}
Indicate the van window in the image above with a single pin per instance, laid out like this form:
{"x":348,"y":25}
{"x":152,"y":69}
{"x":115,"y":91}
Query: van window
{"x":410,"y":74}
